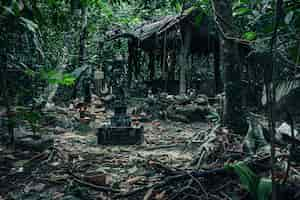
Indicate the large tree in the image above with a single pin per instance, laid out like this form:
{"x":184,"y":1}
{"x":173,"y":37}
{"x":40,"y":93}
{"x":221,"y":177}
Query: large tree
{"x":233,"y":111}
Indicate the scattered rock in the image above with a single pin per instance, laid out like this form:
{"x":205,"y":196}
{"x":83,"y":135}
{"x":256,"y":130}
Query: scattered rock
{"x":187,"y":113}
{"x":98,"y":104}
{"x":34,"y":188}
{"x":50,"y":106}
{"x":57,"y":195}
{"x":70,"y":197}
{"x":182,"y":99}
{"x":181,"y":108}
{"x":134,"y":180}
{"x":37,"y":143}
{"x":63,"y":121}
{"x":99,"y":179}
{"x":59,"y":130}
{"x":255,"y":140}
{"x":201,"y":100}
{"x":108,"y":98}
{"x":285,"y":129}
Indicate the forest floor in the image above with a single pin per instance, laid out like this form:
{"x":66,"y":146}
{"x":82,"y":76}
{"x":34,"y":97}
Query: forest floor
{"x":176,"y":161}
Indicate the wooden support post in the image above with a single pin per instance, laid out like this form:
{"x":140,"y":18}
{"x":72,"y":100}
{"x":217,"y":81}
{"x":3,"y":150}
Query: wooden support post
{"x":183,"y":59}
{"x":164,"y":60}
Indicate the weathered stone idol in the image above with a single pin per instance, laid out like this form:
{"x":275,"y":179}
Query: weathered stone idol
{"x":120,"y":130}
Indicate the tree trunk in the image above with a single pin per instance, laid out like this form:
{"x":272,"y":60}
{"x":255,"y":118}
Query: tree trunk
{"x":83,"y":37}
{"x":233,"y":112}
{"x":164,"y":63}
{"x":136,"y":61}
{"x":130,"y":62}
{"x":182,"y":81}
{"x":82,"y":41}
{"x":151,"y":66}
{"x":5,"y":92}
{"x":189,"y":71}
{"x":75,"y":6}
{"x":217,"y":71}
{"x":172,"y":67}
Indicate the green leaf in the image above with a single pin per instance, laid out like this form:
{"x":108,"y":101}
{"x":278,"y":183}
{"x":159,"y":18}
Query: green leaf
{"x":135,"y":20}
{"x":198,"y":20}
{"x":241,"y":11}
{"x":288,"y":18}
{"x":249,"y":35}
{"x":92,"y":28}
{"x":177,"y":4}
{"x":52,"y":76}
{"x":55,"y":77}
{"x":264,"y":189}
{"x":240,"y":3}
{"x":178,"y":7}
{"x":16,"y":7}
{"x":68,"y":80}
{"x":30,"y":25}
{"x":52,"y":3}
{"x":248,"y":179}
{"x":29,"y":72}
{"x":267,"y":28}
{"x":294,"y":52}
{"x":259,"y":188}
{"x":53,"y":81}
{"x":213,"y":117}
{"x":244,"y":1}
{"x":9,"y":11}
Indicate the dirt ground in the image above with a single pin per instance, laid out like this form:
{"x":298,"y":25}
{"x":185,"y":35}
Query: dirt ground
{"x":32,"y":175}
{"x":176,"y":161}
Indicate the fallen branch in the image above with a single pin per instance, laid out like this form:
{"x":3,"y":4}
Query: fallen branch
{"x":96,"y":187}
{"x":151,"y":148}
{"x":167,"y":181}
{"x":196,"y":174}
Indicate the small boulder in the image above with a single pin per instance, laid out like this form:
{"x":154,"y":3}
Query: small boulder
{"x":187,"y":113}
{"x":201,"y":100}
{"x":33,"y":142}
{"x":182,"y":99}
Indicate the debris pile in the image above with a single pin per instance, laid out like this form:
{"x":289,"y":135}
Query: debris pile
{"x":179,"y":108}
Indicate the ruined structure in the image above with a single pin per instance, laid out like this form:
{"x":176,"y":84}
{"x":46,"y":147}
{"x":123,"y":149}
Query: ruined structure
{"x":173,"y":43}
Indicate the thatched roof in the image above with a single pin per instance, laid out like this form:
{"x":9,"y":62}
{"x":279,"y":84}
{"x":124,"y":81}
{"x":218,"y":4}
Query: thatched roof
{"x":149,"y":35}
{"x":166,"y":23}
{"x":148,"y":30}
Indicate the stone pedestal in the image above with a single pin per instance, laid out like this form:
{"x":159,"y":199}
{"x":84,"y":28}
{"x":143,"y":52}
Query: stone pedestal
{"x":120,"y":131}
{"x":120,"y":135}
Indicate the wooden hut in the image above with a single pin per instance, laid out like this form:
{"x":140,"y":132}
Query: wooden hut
{"x":170,"y":41}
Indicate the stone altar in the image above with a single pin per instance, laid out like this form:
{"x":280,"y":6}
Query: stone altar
{"x":120,"y":131}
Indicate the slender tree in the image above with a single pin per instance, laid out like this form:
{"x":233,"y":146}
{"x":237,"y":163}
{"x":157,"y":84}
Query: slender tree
{"x":83,"y":36}
{"x":270,"y":90}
